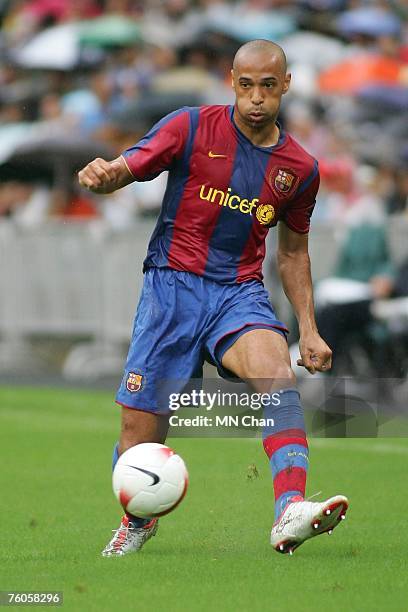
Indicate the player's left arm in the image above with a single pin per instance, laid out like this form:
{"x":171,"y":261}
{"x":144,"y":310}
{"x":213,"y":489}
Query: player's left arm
{"x":294,"y":269}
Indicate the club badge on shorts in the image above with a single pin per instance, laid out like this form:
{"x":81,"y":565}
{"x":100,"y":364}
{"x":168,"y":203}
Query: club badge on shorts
{"x":134,"y":382}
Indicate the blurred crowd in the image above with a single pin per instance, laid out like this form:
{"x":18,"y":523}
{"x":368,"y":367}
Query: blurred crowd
{"x":87,"y":78}
{"x":82,"y":78}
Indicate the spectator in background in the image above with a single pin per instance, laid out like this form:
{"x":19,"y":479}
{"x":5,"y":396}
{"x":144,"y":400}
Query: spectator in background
{"x":73,"y":204}
{"x":303,"y":124}
{"x":89,"y":109}
{"x":186,"y":48}
{"x":397,"y":201}
{"x":27,"y":204}
{"x":364,"y":272}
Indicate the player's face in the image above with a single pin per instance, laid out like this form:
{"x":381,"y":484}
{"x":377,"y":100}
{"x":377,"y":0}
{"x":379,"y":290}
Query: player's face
{"x":259,"y":83}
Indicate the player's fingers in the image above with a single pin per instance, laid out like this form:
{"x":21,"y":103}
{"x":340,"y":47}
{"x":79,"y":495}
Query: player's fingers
{"x":325,"y":362}
{"x":99,"y":172}
{"x":113,"y":168}
{"x":101,"y":164}
{"x":307,"y":363}
{"x":326,"y":366}
{"x":87,"y":179}
{"x":322,"y":362}
{"x":116,"y":168}
{"x":97,"y":185}
{"x":102,"y":171}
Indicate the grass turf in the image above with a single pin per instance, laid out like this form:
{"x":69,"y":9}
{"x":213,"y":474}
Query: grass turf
{"x":57,"y":511}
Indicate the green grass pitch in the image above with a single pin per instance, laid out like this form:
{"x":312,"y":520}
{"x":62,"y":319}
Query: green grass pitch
{"x":213,"y":552}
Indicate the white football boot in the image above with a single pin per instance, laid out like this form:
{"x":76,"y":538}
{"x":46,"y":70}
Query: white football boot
{"x":302,"y":519}
{"x":128,"y":538}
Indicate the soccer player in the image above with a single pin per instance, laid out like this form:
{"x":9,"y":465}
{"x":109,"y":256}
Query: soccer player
{"x":233,"y":174}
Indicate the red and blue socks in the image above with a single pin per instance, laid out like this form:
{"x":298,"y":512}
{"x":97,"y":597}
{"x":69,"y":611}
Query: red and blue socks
{"x":136,"y":522}
{"x":286,"y":446}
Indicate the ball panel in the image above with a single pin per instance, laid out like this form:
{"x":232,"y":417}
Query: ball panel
{"x":174,"y":506}
{"x":124,"y":499}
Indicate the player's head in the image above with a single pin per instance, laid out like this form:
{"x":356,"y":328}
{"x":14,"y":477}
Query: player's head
{"x":259,"y":79}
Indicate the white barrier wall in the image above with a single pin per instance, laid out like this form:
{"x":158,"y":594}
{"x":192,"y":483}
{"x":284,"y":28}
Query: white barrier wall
{"x":82,"y":280}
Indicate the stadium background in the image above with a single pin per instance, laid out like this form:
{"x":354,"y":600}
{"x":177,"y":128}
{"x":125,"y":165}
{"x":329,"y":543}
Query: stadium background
{"x":85,"y":79}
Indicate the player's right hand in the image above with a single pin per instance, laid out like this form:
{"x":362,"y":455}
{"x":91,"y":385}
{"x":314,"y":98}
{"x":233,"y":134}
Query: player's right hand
{"x":101,"y":176}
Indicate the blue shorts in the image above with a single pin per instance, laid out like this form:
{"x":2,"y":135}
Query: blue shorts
{"x":181,"y":321}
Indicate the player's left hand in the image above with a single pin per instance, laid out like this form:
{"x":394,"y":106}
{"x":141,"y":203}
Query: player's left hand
{"x":316,"y":356}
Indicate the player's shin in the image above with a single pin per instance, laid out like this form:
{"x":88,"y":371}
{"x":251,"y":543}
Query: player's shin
{"x":136,"y":521}
{"x":115,"y":455}
{"x":284,"y":441}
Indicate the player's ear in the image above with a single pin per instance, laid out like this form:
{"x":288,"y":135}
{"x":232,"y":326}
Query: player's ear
{"x":232,"y":79}
{"x":286,"y":83}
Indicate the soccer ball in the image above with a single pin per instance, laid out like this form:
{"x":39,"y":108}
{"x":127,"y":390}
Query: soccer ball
{"x":149,"y":480}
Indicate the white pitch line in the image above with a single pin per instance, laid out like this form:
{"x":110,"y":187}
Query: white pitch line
{"x":349,"y":445}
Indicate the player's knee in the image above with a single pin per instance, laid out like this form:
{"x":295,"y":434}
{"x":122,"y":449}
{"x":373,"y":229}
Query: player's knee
{"x":281,"y":372}
{"x":285,"y":373}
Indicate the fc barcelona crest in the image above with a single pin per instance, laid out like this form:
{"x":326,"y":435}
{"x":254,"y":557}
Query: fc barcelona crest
{"x":284,"y":181}
{"x":134,"y":382}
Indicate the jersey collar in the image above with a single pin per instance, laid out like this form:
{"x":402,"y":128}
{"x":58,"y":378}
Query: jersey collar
{"x":241,"y":135}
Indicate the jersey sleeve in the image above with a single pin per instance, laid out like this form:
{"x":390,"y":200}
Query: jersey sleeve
{"x":161,"y":146}
{"x":300,"y":209}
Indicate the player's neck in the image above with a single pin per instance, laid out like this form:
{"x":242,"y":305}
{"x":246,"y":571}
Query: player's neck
{"x":267,"y":136}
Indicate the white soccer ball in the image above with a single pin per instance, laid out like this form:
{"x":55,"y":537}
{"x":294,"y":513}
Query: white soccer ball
{"x":149,"y":480}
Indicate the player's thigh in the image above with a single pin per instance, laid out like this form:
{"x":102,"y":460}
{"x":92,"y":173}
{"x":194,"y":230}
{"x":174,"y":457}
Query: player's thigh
{"x":164,"y":353}
{"x":261,"y":357}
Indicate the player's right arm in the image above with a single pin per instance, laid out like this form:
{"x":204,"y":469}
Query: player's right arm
{"x":162,"y":146}
{"x":101,"y":176}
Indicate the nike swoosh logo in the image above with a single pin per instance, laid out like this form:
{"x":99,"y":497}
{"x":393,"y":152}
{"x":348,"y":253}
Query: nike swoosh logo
{"x":214,"y":155}
{"x":155,"y":477}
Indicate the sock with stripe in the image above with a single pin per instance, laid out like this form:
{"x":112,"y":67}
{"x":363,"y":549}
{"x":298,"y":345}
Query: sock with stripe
{"x":286,"y":446}
{"x":136,"y":522}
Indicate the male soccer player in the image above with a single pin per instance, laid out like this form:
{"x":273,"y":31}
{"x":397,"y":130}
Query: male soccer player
{"x":233,"y":174}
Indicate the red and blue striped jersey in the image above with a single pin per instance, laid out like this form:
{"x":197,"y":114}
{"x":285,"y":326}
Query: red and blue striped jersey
{"x":223,"y":192}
